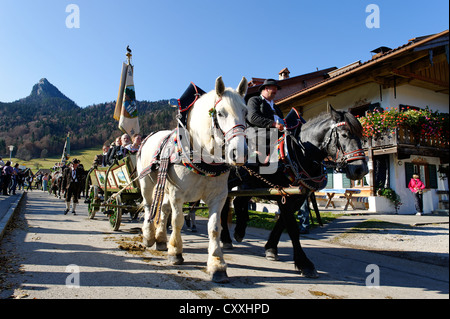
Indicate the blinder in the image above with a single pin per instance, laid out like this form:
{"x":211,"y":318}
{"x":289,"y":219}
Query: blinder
{"x":293,"y":122}
{"x":346,"y":157}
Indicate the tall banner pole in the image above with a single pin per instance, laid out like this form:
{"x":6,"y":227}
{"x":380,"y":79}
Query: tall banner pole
{"x":126,"y":109}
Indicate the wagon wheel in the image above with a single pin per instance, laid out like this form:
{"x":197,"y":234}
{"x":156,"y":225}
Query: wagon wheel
{"x":115,"y":217}
{"x":93,"y":201}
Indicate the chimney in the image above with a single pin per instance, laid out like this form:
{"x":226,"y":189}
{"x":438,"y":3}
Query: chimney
{"x":283,"y":74}
{"x":380,"y":51}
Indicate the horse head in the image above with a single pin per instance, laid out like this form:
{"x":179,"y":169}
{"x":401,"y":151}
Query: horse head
{"x":337,"y":134}
{"x":217,"y":121}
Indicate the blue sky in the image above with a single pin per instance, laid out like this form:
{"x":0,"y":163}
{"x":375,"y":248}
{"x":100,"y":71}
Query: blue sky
{"x":178,"y":41}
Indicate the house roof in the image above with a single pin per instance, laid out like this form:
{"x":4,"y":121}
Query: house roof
{"x":357,"y":68}
{"x":257,"y":82}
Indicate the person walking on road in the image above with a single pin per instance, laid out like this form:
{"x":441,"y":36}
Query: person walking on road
{"x":45,"y":182}
{"x":29,"y":182}
{"x":71,"y":184}
{"x":7,"y":175}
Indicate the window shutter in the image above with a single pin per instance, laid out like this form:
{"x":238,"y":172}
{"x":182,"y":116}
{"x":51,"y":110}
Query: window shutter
{"x":346,"y":182}
{"x":330,"y":178}
{"x":432,"y":174}
{"x":409,"y":171}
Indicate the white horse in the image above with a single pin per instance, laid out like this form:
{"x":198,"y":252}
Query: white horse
{"x":217,"y":119}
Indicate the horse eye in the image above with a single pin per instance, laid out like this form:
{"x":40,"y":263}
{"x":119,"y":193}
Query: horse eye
{"x":220,"y":114}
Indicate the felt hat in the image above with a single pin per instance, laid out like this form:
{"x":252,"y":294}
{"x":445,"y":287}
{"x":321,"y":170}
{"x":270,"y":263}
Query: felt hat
{"x":269,"y":82}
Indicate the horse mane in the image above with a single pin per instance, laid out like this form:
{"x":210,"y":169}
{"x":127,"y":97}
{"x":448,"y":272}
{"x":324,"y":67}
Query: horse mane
{"x":353,"y":123}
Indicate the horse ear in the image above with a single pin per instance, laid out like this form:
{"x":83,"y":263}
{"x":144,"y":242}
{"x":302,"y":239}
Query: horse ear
{"x":334,"y":114}
{"x":330,"y":109}
{"x":220,"y":87}
{"x":242,"y":88}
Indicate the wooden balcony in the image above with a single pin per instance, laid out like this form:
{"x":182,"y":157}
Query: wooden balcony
{"x":403,"y":141}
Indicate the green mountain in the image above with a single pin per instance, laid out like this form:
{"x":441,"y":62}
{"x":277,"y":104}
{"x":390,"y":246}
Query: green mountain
{"x":38,"y":124}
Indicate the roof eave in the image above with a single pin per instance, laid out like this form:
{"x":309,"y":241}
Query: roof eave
{"x":357,"y":69}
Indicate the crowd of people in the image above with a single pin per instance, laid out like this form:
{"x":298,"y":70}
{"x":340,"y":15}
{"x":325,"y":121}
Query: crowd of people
{"x":14,"y":178}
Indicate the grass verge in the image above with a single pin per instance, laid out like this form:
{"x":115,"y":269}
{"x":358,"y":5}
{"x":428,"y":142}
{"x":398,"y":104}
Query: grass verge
{"x":267,"y":220}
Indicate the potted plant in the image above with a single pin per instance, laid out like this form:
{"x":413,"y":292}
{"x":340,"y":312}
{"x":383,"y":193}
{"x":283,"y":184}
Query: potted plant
{"x":390,"y":194}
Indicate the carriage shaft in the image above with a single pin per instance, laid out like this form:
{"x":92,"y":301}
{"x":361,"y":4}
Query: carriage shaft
{"x":264,"y":192}
{"x":127,"y":207}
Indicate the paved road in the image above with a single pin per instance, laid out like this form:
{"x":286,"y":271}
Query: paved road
{"x":54,"y":252}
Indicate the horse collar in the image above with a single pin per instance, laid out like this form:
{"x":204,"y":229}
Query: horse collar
{"x":293,"y":169}
{"x":201,"y":168}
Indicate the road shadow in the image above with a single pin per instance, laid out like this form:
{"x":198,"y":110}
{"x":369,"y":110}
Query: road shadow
{"x":112,"y":267}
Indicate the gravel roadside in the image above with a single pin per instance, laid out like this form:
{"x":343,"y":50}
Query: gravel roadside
{"x":419,"y":238}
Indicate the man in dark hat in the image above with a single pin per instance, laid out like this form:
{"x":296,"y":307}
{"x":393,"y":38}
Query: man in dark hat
{"x":262,"y":111}
{"x":71,"y":183}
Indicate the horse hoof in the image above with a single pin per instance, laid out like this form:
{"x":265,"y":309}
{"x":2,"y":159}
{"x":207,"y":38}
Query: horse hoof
{"x":238,"y":238}
{"x":148,"y":242}
{"x":271,"y":254}
{"x":176,"y":260}
{"x":309,"y":273}
{"x":161,"y":246}
{"x":220,"y":277}
{"x":227,"y":246}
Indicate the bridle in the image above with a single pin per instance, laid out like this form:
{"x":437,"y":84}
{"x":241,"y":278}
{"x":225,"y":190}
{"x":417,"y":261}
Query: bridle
{"x":235,"y":131}
{"x":342,"y":158}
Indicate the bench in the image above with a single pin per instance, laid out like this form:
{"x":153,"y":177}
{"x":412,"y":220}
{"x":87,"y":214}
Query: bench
{"x":443,"y":199}
{"x":346,"y":192}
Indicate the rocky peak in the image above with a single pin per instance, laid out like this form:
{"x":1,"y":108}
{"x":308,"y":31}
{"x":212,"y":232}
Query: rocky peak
{"x":43,"y":90}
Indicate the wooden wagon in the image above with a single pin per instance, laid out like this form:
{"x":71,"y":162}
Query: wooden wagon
{"x":114,"y":191}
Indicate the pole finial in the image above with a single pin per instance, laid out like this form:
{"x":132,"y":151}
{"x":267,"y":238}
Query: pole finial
{"x":129,"y":55}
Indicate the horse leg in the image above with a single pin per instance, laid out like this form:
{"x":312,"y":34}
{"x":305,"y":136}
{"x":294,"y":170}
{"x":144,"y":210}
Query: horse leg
{"x":225,"y":233}
{"x":216,"y":263}
{"x":241,"y":210}
{"x":302,"y":263}
{"x":175,"y":249}
{"x":271,"y":246}
{"x":287,"y":218}
{"x":148,"y":228}
{"x":161,"y":229}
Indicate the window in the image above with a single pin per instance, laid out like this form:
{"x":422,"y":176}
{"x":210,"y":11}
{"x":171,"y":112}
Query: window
{"x":426,"y":172}
{"x":360,"y":183}
{"x":361,"y":110}
{"x":403,"y":107}
{"x":330,"y":177}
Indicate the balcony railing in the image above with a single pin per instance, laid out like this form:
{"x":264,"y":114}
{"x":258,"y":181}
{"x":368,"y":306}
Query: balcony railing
{"x":405,"y":136}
